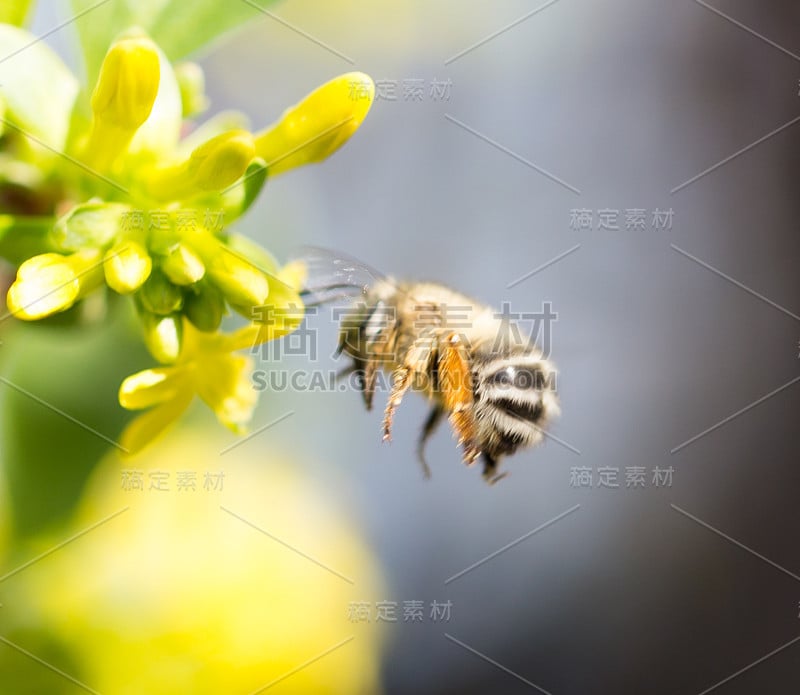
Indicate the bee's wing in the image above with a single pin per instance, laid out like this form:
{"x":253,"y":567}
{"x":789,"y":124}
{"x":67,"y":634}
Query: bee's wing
{"x":332,"y":276}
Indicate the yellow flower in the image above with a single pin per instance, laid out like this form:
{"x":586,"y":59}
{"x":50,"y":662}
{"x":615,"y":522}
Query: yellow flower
{"x":135,"y":109}
{"x":319,"y":125}
{"x":148,"y":215}
{"x":208,"y":367}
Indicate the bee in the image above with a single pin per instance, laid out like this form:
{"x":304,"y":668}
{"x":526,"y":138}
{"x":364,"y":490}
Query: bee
{"x":494,"y":384}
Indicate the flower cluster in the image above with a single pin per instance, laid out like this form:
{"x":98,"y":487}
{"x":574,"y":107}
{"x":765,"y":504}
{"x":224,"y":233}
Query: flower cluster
{"x":102,"y":192}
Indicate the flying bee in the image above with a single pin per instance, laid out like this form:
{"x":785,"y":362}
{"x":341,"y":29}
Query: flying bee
{"x":476,"y":367}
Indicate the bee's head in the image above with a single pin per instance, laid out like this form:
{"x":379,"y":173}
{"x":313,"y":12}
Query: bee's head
{"x":515,"y":396}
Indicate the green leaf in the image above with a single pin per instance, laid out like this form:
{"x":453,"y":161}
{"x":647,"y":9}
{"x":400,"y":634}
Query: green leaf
{"x":239,"y":196}
{"x":58,"y":411}
{"x":15,"y":11}
{"x":37,"y":89}
{"x":179,"y":27}
{"x":254,"y":179}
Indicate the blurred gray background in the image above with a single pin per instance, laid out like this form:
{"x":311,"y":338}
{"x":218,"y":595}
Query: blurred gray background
{"x":672,"y":589}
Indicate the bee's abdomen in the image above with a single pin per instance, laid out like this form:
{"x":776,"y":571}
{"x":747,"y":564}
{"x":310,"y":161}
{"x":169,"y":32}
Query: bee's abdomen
{"x":515,"y":400}
{"x":532,"y":412}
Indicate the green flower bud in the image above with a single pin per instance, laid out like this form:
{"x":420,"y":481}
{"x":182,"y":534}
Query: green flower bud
{"x":90,"y":225}
{"x":205,"y":308}
{"x":160,"y":296}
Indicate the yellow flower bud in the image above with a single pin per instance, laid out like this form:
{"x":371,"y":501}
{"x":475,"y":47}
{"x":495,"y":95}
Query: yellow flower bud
{"x":319,"y":125}
{"x":240,"y":281}
{"x":50,"y":282}
{"x":128,"y":83}
{"x":163,"y":335}
{"x":222,"y":160}
{"x":127,"y":265}
{"x":123,"y":97}
{"x":213,"y":166}
{"x":45,"y":285}
{"x":183,"y":266}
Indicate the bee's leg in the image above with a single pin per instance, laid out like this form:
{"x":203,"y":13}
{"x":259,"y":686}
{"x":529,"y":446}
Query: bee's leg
{"x":401,"y":380}
{"x":455,"y":383}
{"x":369,"y":376}
{"x":416,"y":360}
{"x":340,"y":346}
{"x":359,"y":368}
{"x":375,"y":356}
{"x":353,"y":342}
{"x":490,"y":474}
{"x":431,"y":423}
